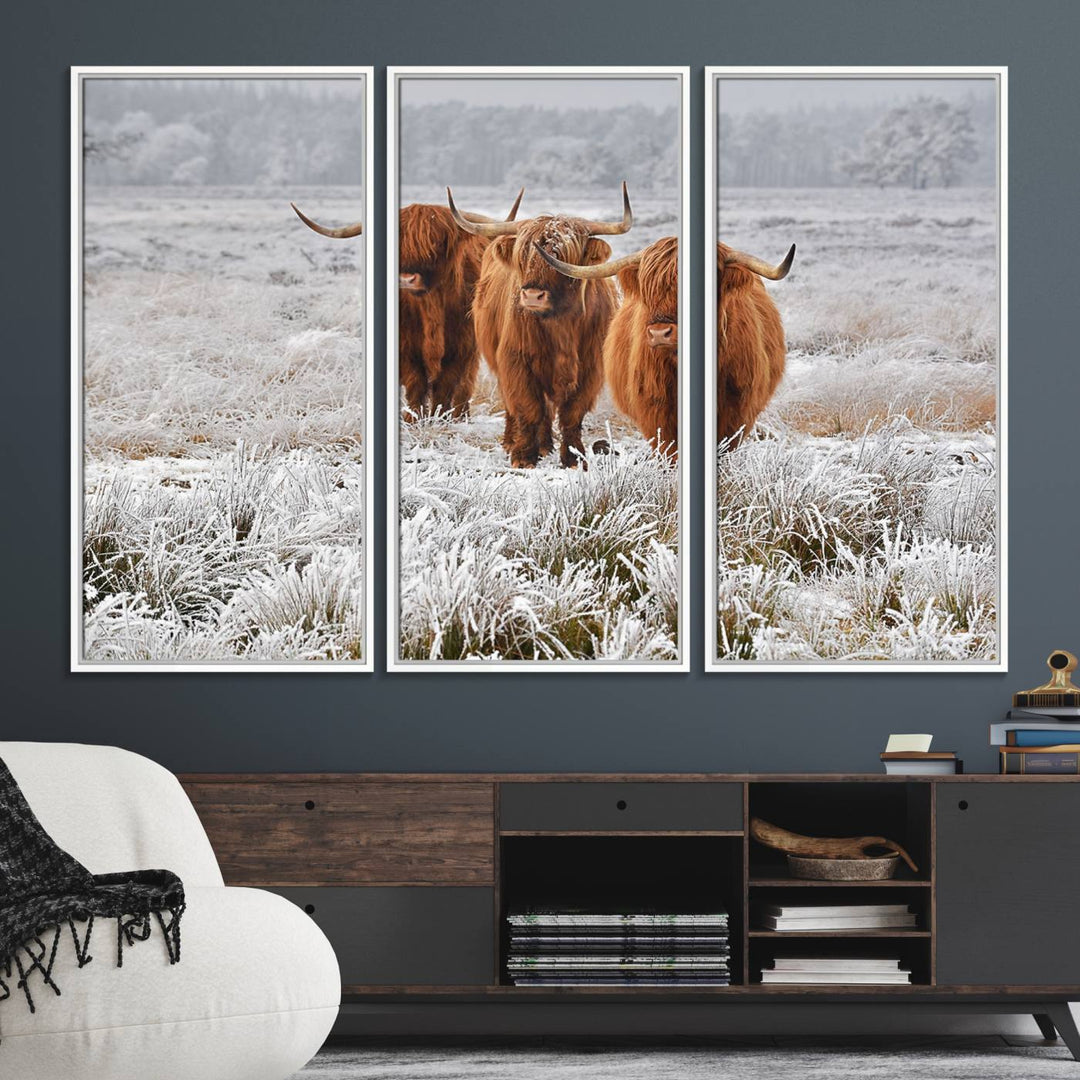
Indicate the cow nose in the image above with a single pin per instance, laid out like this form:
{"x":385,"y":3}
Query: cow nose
{"x":661,"y":334}
{"x":409,"y":281}
{"x":534,"y":298}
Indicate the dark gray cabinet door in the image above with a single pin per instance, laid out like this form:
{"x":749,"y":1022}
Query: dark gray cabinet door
{"x":1008,"y":884}
{"x":398,"y":936}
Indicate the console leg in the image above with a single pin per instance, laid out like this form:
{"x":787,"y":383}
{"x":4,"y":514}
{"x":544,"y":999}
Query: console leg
{"x":1062,"y":1019}
{"x":1046,"y":1026}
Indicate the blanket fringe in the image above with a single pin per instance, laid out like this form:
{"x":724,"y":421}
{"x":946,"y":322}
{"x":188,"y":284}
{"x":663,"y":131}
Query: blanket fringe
{"x":129,"y":929}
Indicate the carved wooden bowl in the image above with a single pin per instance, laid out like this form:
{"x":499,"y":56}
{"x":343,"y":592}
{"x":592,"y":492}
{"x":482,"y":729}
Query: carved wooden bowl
{"x":843,"y":869}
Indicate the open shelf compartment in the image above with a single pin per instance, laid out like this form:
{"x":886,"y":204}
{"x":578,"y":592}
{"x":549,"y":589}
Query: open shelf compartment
{"x":683,"y":874}
{"x":913,"y":954}
{"x":900,"y":812}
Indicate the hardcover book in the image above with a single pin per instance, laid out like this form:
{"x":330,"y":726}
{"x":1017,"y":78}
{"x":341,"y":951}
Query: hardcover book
{"x":835,"y":963}
{"x":1005,"y":733}
{"x":870,"y":978}
{"x":1016,"y":760}
{"x":832,"y":911}
{"x":851,"y":922}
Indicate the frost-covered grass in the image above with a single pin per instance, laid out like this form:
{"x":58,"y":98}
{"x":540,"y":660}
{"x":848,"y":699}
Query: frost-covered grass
{"x":860,"y":521}
{"x":544,"y":564}
{"x":547,"y":563}
{"x":223,"y":427}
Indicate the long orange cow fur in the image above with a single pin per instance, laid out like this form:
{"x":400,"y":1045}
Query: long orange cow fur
{"x":542,"y":334}
{"x":439,"y":265}
{"x":641,"y":351}
{"x":548,"y":362}
{"x":750,"y":347}
{"x":438,"y":358}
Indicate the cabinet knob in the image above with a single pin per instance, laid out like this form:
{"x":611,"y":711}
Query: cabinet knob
{"x":309,"y":908}
{"x":963,"y":804}
{"x":621,"y":804}
{"x":309,"y":805}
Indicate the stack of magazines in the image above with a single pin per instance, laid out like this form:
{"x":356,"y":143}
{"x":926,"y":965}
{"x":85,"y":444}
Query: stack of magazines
{"x":641,"y":948}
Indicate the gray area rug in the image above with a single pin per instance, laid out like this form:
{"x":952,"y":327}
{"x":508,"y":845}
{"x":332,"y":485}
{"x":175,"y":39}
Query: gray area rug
{"x":992,"y":1060}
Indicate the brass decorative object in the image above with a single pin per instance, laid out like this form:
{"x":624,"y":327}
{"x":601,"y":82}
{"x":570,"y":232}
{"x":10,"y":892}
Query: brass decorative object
{"x":822,"y":847}
{"x":1059,"y":692}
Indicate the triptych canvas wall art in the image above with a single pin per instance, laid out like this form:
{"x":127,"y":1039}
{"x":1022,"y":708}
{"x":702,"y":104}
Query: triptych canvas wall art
{"x":536,"y":514}
{"x":221,"y":369}
{"x":539,"y":364}
{"x":855,"y":455}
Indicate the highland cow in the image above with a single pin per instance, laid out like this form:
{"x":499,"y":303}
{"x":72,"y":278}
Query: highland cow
{"x":750,"y":348}
{"x":542,"y":334}
{"x":439,"y":265}
{"x":641,"y":348}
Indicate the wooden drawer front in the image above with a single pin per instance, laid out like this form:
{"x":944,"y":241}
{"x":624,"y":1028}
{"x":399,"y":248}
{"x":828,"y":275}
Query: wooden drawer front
{"x":292,"y":833}
{"x":620,"y":807}
{"x":410,"y":936}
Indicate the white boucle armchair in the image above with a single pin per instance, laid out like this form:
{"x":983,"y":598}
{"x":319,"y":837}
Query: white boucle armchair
{"x":257,"y":989}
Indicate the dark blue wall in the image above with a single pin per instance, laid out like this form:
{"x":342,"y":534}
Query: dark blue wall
{"x":533,"y":722}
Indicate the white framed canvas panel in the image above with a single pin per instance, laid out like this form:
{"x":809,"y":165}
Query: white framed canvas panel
{"x":537,"y":505}
{"x":221,"y":369}
{"x":855,"y":417}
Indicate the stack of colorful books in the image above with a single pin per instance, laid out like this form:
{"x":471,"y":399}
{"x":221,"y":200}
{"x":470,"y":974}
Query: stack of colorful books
{"x":640,"y":948}
{"x":1039,"y":740}
{"x":850,"y":970}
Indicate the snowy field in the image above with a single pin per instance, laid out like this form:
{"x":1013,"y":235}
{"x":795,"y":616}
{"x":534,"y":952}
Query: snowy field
{"x":222,"y":427}
{"x":545,"y":563}
{"x":860,"y":523}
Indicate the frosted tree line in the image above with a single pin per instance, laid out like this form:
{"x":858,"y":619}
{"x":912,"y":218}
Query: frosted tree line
{"x":507,"y":146}
{"x":268,"y":133}
{"x":923,"y":142}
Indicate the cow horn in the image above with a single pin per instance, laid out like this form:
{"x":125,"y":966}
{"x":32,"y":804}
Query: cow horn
{"x":773,"y":273}
{"x":514,"y":208}
{"x":484,"y":227}
{"x":343,"y":233}
{"x":481,"y":218}
{"x":614,"y":228}
{"x":587,"y":273}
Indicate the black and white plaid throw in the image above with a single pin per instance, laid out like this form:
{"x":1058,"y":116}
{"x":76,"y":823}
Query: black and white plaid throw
{"x":46,"y":895}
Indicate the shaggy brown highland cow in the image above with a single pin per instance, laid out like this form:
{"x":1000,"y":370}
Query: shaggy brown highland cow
{"x":750,"y":349}
{"x":641,"y":355}
{"x":438,"y":269}
{"x":542,"y":334}
{"x":641,"y":349}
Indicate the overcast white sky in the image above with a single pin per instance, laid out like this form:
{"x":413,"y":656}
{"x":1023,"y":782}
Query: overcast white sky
{"x":778,"y":94}
{"x":559,"y":92}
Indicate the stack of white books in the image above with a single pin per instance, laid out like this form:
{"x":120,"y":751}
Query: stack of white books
{"x":850,"y":970}
{"x":837,"y":917}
